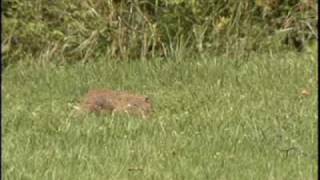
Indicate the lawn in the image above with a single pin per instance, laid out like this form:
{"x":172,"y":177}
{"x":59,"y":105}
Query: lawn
{"x":215,"y":118}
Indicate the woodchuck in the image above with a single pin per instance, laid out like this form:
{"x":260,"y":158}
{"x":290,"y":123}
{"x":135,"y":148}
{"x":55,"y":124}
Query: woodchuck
{"x":109,"y":101}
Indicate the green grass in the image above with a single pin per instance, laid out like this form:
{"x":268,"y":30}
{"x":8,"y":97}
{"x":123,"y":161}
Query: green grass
{"x":215,"y":118}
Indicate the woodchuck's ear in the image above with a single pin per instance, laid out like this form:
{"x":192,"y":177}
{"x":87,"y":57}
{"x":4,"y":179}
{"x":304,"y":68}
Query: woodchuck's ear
{"x":146,"y":99}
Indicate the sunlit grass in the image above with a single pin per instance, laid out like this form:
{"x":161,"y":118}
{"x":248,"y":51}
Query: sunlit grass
{"x":215,"y":118}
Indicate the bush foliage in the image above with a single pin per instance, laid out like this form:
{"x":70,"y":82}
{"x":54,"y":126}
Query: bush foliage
{"x":68,"y":31}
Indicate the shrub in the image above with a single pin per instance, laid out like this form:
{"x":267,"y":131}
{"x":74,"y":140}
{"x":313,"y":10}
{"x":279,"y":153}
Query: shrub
{"x":68,"y":31}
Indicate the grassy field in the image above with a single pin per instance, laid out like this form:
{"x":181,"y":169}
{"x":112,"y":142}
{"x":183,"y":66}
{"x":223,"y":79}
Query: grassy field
{"x":215,"y":118}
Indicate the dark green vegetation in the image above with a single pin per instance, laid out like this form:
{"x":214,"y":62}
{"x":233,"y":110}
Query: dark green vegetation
{"x":215,"y":118}
{"x":84,"y":30}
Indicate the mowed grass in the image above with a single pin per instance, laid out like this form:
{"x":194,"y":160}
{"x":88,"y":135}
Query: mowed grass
{"x":215,"y":118}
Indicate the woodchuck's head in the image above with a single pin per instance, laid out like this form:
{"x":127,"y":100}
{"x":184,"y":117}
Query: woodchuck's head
{"x":141,"y":105}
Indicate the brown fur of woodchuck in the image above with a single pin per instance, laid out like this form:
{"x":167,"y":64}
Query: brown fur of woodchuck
{"x":109,"y":101}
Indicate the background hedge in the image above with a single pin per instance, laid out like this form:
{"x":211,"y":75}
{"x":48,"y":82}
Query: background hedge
{"x":72,"y":30}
